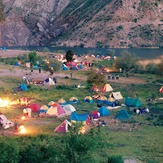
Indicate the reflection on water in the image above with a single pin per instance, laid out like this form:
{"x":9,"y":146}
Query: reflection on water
{"x":145,"y":53}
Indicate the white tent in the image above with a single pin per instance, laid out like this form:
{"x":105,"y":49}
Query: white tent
{"x":5,"y":122}
{"x":49,"y":82}
{"x":116,"y":95}
{"x":69,"y":109}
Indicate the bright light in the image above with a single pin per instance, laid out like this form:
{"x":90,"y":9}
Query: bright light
{"x":4,"y":103}
{"x":22,"y":129}
{"x":23,"y":118}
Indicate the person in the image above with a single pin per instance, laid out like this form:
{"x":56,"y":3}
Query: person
{"x":25,"y":112}
{"x":15,"y":127}
{"x":55,"y":80}
{"x":39,"y":70}
{"x":71,"y":74}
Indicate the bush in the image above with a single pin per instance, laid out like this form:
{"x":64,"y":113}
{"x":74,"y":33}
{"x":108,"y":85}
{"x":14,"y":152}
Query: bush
{"x":115,"y":159}
{"x":9,"y":151}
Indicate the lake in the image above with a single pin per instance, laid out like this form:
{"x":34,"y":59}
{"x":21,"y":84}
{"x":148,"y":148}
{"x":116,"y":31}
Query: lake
{"x":143,"y":53}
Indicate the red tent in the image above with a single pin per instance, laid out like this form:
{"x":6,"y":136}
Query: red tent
{"x":161,"y":89}
{"x":35,"y":107}
{"x":63,"y":127}
{"x":70,"y":63}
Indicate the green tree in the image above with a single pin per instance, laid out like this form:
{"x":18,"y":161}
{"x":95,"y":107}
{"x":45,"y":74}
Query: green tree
{"x":95,"y":78}
{"x":151,"y":68}
{"x":69,"y":55}
{"x":127,"y":61}
{"x":52,"y":66}
{"x":32,"y":57}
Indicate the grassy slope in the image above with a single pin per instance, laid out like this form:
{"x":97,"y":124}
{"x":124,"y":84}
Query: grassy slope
{"x":143,"y":142}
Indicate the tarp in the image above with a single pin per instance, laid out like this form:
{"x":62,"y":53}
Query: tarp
{"x":123,"y":115}
{"x":79,"y":117}
{"x":107,"y":88}
{"x":103,"y":111}
{"x":161,"y":89}
{"x":63,"y":127}
{"x":132,"y":102}
{"x":116,"y":95}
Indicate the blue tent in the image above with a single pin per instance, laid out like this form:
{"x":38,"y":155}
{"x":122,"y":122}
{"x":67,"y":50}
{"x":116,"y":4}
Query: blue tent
{"x":103,"y":111}
{"x":16,"y":64}
{"x":80,"y":66}
{"x":35,"y":67}
{"x":132,"y":102}
{"x":123,"y":115}
{"x":4,"y":48}
{"x":23,"y":87}
{"x":64,"y":68}
{"x":79,"y":117}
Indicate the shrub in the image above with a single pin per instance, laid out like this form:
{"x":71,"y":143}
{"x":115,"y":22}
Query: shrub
{"x":115,"y":159}
{"x":9,"y":151}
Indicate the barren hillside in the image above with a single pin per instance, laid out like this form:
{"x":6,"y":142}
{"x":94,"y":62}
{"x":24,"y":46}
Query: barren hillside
{"x":85,"y":23}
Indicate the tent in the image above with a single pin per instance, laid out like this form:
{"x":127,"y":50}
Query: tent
{"x":95,"y":88}
{"x":123,"y":115}
{"x":35,"y":107}
{"x":69,"y":109}
{"x":103,"y":111}
{"x":23,"y":87}
{"x":161,"y":89}
{"x":62,"y":101}
{"x":27,"y":64}
{"x":5,"y":122}
{"x":132,"y":102}
{"x":73,"y":100}
{"x":16,"y":64}
{"x":107,"y":88}
{"x":116,"y":95}
{"x":70,"y":63}
{"x":63,"y":127}
{"x":49,"y":82}
{"x":56,"y":110}
{"x":101,"y":99}
{"x":88,"y":99}
{"x":75,"y":68}
{"x":80,"y":117}
{"x":80,"y":66}
{"x":65,"y":68}
{"x":51,"y":103}
{"x":95,"y":114}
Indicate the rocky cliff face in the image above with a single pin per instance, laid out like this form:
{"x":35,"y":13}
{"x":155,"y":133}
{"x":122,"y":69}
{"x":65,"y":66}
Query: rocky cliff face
{"x":88,"y":23}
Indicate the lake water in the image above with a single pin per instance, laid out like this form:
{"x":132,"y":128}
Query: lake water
{"x":144,"y":53}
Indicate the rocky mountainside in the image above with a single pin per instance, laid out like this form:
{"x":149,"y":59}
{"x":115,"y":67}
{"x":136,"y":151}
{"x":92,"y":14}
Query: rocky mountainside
{"x":84,"y":23}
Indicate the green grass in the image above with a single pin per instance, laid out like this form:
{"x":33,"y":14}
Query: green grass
{"x":143,"y":142}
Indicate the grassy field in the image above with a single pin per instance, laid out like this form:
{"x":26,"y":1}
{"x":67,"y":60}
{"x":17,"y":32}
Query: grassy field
{"x":139,"y":138}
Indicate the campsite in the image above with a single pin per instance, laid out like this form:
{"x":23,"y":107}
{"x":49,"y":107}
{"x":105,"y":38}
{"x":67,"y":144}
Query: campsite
{"x":39,"y":112}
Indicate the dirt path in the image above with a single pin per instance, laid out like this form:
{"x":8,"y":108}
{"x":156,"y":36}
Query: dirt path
{"x":17,"y":72}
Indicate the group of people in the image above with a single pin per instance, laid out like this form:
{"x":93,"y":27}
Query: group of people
{"x":141,"y":110}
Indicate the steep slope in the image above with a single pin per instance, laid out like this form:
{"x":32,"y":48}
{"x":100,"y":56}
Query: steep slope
{"x":88,"y":23}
